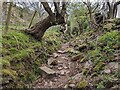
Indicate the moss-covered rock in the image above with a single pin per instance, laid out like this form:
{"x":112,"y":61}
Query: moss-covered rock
{"x":82,"y":84}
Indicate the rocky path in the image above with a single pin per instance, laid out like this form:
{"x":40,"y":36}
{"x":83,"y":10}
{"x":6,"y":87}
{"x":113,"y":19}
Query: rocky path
{"x":63,"y":70}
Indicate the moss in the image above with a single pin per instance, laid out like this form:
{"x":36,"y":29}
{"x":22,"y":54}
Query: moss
{"x":95,"y":56}
{"x":13,"y":50}
{"x":107,"y":81}
{"x":99,"y":66}
{"x":4,"y":63}
{"x":9,"y":72}
{"x":5,"y":52}
{"x":85,"y":72}
{"x":100,"y":85}
{"x":72,"y":51}
{"x":82,"y":84}
{"x":22,"y":55}
{"x":83,"y":59}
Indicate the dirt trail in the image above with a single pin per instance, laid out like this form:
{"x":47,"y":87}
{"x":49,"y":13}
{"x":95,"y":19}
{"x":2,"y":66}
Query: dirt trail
{"x":65,"y":70}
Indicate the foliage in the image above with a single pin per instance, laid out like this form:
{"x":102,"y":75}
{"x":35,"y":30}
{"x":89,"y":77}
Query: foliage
{"x":103,"y":51}
{"x":110,"y":39}
{"x":82,"y":84}
{"x":22,"y":55}
{"x":106,"y":81}
{"x":78,"y":18}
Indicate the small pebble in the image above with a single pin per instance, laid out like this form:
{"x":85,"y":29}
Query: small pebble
{"x":59,"y":68}
{"x":50,"y":83}
{"x":65,"y":67}
{"x":55,"y":80}
{"x":71,"y":85}
{"x":62,"y":72}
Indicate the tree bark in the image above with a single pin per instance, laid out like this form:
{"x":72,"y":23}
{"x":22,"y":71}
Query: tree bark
{"x":8,"y":17}
{"x":39,"y":29}
{"x":32,"y":19}
{"x":112,"y":9}
{"x":4,"y":11}
{"x":57,"y":18}
{"x":115,"y":9}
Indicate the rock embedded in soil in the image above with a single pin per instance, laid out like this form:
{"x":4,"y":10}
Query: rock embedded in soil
{"x":107,"y":71}
{"x":64,"y":66}
{"x":64,"y":58}
{"x":51,"y":83}
{"x":88,"y":64}
{"x":55,"y":55}
{"x":71,"y":85}
{"x":60,"y":61}
{"x":46,"y":83}
{"x":117,"y":58}
{"x":60,"y":68}
{"x":61,"y":52}
{"x":62,"y":72}
{"x":83,"y":46}
{"x":113,"y":66}
{"x":77,"y":76}
{"x":76,"y":57}
{"x":55,"y":80}
{"x":52,"y":61}
{"x":47,"y":70}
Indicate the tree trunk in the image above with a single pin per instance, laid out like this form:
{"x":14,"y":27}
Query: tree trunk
{"x":39,"y":29}
{"x":118,"y":12}
{"x":112,"y":9}
{"x":115,"y":9}
{"x":54,"y":18}
{"x":4,"y":11}
{"x":8,"y":17}
{"x":32,"y":19}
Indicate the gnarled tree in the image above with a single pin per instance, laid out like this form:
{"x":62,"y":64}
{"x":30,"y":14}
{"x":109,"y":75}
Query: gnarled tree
{"x":53,"y":18}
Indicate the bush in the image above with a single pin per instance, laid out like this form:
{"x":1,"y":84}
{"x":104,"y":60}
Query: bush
{"x":104,"y":50}
{"x":110,"y":39}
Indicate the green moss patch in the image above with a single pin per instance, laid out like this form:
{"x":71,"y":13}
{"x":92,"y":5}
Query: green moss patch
{"x":22,"y":56}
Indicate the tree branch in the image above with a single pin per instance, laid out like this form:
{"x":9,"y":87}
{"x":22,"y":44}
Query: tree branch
{"x":95,"y":8}
{"x":115,"y":8}
{"x":63,"y":11}
{"x":56,"y":4}
{"x":47,"y":8}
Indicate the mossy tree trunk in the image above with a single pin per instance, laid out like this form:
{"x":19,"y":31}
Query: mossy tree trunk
{"x":38,"y":30}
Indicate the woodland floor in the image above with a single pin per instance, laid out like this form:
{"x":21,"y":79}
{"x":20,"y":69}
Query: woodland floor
{"x":65,"y":70}
{"x":84,"y":62}
{"x":69,"y":72}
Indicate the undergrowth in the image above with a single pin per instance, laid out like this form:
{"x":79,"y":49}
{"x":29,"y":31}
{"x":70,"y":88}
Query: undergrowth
{"x":22,"y":56}
{"x":98,"y":49}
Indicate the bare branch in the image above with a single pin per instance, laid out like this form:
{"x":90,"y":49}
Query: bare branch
{"x":57,"y":8}
{"x":47,"y":8}
{"x":115,"y":8}
{"x":63,"y":11}
{"x":95,"y":8}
